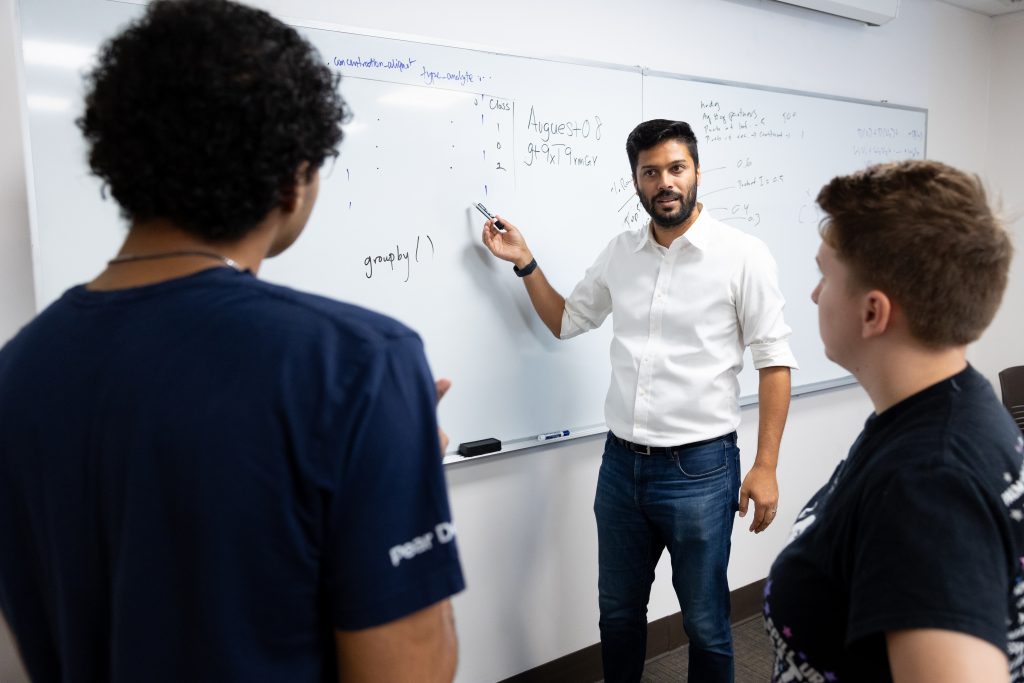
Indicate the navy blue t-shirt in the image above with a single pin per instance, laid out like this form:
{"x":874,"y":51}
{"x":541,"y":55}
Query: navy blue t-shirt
{"x":921,"y":527}
{"x":201,"y":479}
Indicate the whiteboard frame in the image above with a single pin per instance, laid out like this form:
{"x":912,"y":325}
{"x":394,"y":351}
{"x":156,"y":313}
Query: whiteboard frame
{"x":642,"y":71}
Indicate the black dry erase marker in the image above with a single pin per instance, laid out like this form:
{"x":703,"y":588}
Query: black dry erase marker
{"x":483,"y":209}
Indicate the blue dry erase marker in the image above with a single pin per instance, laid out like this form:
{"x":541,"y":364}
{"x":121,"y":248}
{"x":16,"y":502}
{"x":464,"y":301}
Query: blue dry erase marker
{"x":483,"y":209}
{"x":553,"y":435}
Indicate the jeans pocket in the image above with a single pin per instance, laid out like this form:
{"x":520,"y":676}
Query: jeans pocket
{"x":703,"y":462}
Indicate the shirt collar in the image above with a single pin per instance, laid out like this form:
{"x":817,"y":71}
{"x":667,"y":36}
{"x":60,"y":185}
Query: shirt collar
{"x":698,"y":234}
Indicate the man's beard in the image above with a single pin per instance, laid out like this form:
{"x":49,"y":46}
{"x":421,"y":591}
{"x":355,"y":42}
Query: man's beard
{"x":671,"y":220}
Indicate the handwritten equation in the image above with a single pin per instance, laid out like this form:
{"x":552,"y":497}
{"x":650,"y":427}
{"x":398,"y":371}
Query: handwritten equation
{"x":725,"y":124}
{"x":566,"y":143}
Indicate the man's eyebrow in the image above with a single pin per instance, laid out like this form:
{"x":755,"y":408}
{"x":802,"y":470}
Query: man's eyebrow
{"x":680,"y":160}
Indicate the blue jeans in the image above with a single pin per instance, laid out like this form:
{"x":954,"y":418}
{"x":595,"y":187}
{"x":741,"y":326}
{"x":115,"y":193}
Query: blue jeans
{"x":686,"y":502}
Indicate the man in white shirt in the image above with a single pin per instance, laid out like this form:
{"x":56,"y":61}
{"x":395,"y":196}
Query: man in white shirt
{"x":688,"y":294}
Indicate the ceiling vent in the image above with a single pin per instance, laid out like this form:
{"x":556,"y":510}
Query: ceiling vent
{"x":872,"y":12}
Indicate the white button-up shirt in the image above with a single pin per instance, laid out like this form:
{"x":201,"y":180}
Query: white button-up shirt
{"x":681,"y":319}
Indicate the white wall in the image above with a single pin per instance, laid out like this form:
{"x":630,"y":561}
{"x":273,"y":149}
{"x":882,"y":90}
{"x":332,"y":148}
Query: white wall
{"x":1003,"y":346}
{"x":16,"y":291}
{"x":17,"y":302}
{"x":525,"y":522}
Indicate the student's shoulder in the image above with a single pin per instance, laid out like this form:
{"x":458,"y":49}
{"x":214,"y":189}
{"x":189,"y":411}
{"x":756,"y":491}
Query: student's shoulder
{"x":981,"y":435}
{"x":40,"y":326}
{"x":964,"y":433}
{"x":975,"y":418}
{"x":304,"y":311}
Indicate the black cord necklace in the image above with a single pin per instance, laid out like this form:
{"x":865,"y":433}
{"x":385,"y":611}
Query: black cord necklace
{"x":128,"y":258}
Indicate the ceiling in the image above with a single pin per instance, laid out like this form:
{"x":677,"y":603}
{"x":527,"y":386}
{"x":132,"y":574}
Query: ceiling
{"x":990,"y":7}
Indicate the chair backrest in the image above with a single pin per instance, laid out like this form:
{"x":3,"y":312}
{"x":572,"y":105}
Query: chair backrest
{"x":1011,"y":382}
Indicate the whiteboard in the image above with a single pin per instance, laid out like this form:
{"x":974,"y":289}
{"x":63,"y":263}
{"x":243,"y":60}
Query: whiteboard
{"x":437,"y":127}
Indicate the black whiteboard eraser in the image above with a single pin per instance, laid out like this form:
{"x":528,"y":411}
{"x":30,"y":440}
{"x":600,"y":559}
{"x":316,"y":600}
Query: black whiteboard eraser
{"x":468,"y":449}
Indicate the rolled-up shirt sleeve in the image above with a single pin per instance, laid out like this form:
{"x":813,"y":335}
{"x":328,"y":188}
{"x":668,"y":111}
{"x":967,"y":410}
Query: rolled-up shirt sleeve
{"x":759,"y":305}
{"x":590,"y":301}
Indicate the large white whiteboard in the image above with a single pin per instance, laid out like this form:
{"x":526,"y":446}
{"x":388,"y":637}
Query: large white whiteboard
{"x":437,"y":127}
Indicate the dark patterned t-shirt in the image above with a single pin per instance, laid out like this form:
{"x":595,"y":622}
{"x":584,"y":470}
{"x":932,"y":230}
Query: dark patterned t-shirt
{"x":922,"y":526}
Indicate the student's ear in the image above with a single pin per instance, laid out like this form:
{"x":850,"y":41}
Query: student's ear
{"x":293,"y":196}
{"x":876,"y":313}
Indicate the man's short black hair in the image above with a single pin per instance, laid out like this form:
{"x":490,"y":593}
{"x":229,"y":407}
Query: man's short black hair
{"x":202,"y":112}
{"x":656,"y":131}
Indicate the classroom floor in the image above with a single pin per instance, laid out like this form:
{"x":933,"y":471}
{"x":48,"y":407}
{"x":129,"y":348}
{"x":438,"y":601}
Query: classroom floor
{"x":753,"y":657}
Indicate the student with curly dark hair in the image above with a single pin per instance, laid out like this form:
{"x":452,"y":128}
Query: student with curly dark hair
{"x":194,"y":481}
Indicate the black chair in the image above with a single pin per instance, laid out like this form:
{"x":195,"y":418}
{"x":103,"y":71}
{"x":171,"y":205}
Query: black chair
{"x":1011,"y":382}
